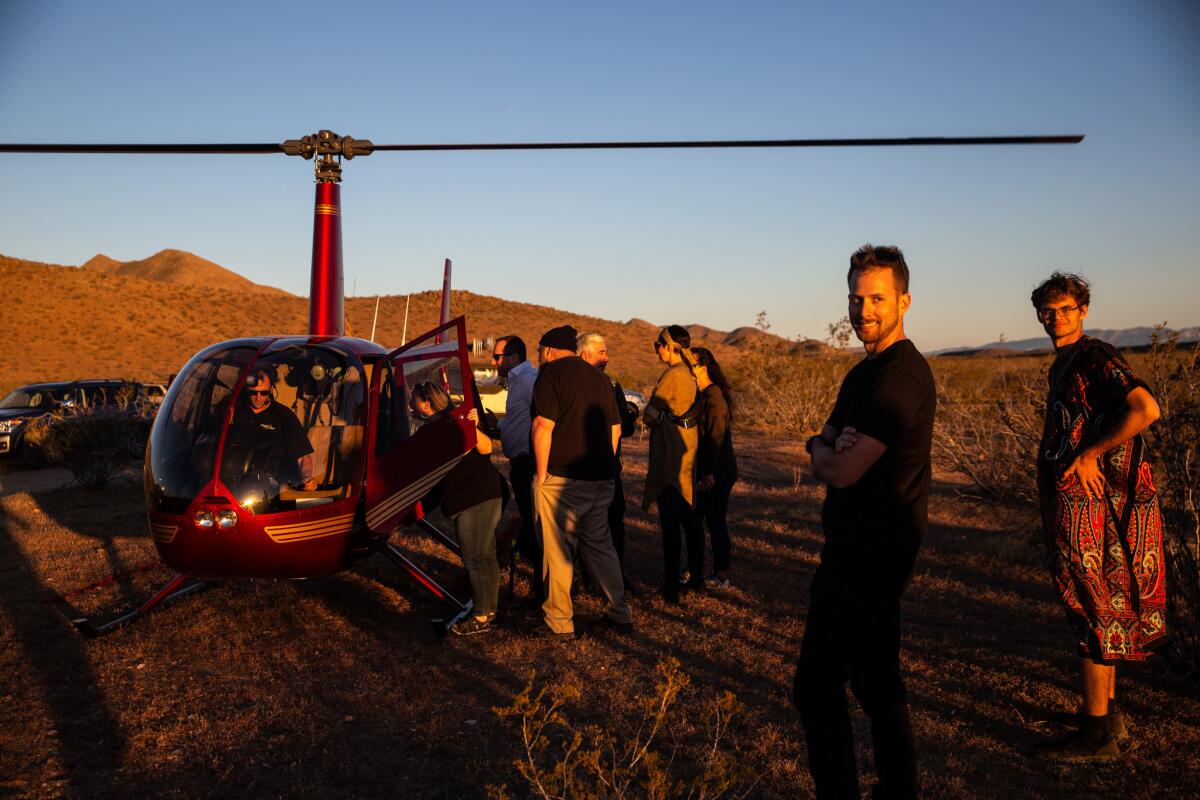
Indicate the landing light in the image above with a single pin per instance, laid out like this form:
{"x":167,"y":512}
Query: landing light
{"x":205,"y":519}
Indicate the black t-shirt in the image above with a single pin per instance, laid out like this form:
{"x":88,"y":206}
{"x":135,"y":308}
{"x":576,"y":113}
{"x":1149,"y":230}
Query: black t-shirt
{"x":884,"y":515}
{"x":579,"y":399}
{"x":473,"y":480}
{"x":273,"y":437}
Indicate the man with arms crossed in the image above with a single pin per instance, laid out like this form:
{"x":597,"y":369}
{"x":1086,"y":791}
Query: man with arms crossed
{"x":873,"y":455}
{"x":1100,"y":514}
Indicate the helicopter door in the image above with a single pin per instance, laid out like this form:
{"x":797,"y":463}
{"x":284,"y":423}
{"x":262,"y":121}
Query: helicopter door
{"x":407,"y":456}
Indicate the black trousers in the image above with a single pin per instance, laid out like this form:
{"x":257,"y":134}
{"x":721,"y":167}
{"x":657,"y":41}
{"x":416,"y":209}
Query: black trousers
{"x":713,"y":507}
{"x":853,"y":634}
{"x":529,"y":542}
{"x":616,"y":519}
{"x":674,"y":513}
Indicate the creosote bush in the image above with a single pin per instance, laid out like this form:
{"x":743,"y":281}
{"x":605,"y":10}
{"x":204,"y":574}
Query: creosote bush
{"x":565,"y":759}
{"x":1174,"y":442}
{"x":93,"y":443}
{"x":988,"y":426}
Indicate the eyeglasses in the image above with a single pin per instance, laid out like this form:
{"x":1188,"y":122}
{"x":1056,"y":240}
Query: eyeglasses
{"x":258,"y":391}
{"x":498,"y":356}
{"x":1047,"y":314}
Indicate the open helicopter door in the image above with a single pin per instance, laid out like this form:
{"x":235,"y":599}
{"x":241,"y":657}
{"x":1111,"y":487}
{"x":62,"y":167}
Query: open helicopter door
{"x":407,"y":456}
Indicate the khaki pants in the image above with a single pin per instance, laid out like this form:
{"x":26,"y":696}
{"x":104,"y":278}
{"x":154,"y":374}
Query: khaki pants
{"x":574,"y":515}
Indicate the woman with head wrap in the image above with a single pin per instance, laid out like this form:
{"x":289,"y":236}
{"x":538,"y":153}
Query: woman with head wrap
{"x":672,"y":418}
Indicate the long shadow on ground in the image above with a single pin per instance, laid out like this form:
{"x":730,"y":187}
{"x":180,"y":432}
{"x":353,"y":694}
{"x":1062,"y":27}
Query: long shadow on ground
{"x":86,"y":737}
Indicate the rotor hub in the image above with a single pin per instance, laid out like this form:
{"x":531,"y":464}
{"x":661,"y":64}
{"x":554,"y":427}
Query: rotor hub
{"x":328,"y":149}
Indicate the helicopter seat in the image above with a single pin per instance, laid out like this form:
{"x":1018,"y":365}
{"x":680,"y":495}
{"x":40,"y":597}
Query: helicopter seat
{"x":321,"y":438}
{"x":336,"y":451}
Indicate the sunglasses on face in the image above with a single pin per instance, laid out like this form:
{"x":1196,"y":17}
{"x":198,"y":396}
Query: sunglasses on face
{"x":498,"y":356}
{"x":259,"y":391}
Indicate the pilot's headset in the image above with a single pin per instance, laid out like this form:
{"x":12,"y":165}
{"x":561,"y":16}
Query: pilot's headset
{"x":258,"y":377}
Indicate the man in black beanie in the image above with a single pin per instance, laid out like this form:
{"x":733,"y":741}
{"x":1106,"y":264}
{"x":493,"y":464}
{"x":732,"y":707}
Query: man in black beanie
{"x":576,"y":428}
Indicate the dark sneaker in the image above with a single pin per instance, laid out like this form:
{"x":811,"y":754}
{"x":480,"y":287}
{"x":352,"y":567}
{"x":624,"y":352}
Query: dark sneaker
{"x":715,"y":581}
{"x":684,"y":577}
{"x":1116,"y":722}
{"x":471,"y":626}
{"x":1077,"y":747}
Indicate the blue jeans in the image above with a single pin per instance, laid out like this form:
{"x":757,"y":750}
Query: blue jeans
{"x":475,"y":529}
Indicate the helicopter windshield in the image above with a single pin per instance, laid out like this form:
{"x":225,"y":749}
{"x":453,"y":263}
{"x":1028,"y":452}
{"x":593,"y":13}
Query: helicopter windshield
{"x":183,"y":442}
{"x":296,"y":433}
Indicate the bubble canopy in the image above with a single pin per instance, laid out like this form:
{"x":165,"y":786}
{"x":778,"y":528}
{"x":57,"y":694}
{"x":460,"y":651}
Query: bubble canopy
{"x":278,"y":423}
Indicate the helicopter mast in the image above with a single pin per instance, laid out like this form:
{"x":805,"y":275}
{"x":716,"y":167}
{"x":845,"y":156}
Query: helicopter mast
{"x":326,"y":309}
{"x":326,"y":299}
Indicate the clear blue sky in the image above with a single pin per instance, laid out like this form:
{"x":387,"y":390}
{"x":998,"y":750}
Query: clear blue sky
{"x":694,"y":236}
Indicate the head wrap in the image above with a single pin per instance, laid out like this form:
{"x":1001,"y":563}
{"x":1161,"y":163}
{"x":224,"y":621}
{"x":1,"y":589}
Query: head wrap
{"x":685,"y":353}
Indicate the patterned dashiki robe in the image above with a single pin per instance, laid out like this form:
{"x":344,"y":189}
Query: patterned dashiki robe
{"x":1106,"y":556}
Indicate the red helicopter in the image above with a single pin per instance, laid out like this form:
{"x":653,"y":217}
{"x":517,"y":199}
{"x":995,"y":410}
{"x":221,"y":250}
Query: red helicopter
{"x":219,"y":507}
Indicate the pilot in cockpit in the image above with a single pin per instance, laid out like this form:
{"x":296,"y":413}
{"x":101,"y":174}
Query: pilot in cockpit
{"x":265,"y":438}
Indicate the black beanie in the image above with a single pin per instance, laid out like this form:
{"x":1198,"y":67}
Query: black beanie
{"x":560,"y":338}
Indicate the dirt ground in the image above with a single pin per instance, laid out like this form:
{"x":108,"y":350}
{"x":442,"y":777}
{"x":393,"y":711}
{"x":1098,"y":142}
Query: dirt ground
{"x":337,"y":687}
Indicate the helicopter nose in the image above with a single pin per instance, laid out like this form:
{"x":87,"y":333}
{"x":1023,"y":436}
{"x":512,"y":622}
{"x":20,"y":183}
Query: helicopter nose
{"x":224,"y":519}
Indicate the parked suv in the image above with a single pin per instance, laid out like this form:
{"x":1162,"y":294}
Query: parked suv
{"x":39,"y":399}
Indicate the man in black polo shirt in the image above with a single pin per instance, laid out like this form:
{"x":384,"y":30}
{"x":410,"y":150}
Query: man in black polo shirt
{"x":268,"y":436}
{"x":576,"y":428}
{"x":873,"y":455}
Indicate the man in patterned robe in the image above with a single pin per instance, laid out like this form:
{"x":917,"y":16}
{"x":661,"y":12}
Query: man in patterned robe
{"x":1100,"y":513}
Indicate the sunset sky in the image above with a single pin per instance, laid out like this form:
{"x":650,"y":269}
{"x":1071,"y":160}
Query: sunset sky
{"x":690,"y":236}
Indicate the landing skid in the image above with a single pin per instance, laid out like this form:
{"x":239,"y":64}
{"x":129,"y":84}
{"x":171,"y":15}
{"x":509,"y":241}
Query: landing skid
{"x":182,"y":585}
{"x":461,"y":609}
{"x":177,"y":587}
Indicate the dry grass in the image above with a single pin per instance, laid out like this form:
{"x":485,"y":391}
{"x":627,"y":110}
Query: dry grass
{"x":337,"y":686}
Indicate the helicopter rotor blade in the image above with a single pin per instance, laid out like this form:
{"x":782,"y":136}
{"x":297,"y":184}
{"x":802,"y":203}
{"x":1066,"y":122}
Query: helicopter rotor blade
{"x":348,"y":147}
{"x":143,"y":149}
{"x":742,"y":143}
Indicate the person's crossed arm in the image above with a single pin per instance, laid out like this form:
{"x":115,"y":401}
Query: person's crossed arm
{"x":841,"y":458}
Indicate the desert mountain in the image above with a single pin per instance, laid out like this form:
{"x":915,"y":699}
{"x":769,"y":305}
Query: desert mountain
{"x":108,"y":319}
{"x":177,"y":266}
{"x":1118,"y":337}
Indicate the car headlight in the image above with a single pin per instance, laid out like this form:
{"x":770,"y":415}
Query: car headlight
{"x":10,"y":425}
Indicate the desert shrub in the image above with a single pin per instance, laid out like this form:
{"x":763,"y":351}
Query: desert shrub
{"x":564,"y":759}
{"x":93,"y":443}
{"x":792,"y":392}
{"x":988,"y":425}
{"x":1174,"y":440}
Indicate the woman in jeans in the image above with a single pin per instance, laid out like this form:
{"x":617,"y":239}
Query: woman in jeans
{"x":472,"y":496}
{"x":716,"y":465}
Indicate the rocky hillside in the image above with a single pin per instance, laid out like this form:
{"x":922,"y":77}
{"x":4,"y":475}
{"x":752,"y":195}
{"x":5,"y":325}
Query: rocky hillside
{"x":180,"y":267}
{"x":144,"y":319}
